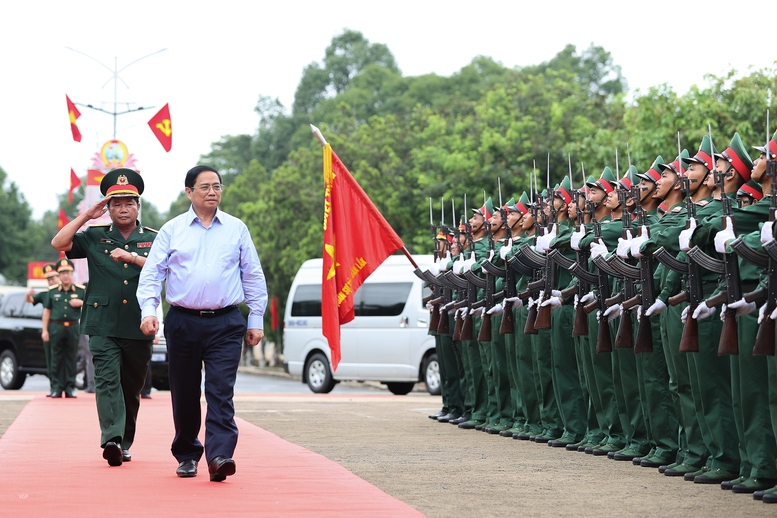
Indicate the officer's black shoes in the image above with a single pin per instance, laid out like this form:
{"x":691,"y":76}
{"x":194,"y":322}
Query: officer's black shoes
{"x":125,"y":456}
{"x":55,"y":394}
{"x":445,"y":418}
{"x":435,"y":416}
{"x":187,"y":468}
{"x":470,"y":425}
{"x":459,"y":420}
{"x":220,"y":468}
{"x":112,"y":453}
{"x":70,"y":394}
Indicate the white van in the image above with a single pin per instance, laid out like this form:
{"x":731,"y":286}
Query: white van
{"x":387,"y":341}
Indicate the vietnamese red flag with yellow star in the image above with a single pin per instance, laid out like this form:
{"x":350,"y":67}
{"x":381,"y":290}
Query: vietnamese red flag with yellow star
{"x":357,"y":239}
{"x":73,"y":114}
{"x":61,"y":222}
{"x":75,"y":181}
{"x":162,"y":128}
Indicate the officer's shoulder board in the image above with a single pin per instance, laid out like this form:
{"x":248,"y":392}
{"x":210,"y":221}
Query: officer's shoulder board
{"x":678,"y":208}
{"x":79,"y":286}
{"x":702,"y":203}
{"x":155,"y":231}
{"x":53,"y":287}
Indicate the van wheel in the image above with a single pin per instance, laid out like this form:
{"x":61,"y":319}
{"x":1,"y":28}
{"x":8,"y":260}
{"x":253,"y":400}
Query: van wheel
{"x":10,"y":376}
{"x":319,"y":375}
{"x":432,"y":375}
{"x":400,"y":388}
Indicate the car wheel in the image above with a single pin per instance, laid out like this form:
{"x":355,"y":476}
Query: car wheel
{"x":432,"y":375}
{"x":400,"y":388}
{"x":10,"y":377}
{"x":319,"y":375}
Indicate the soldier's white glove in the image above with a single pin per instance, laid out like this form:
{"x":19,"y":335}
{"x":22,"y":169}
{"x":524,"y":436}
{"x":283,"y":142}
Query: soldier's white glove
{"x":598,"y":315}
{"x":444,"y":263}
{"x":624,"y":245}
{"x":598,"y":248}
{"x":703,"y":311}
{"x":434,"y":269}
{"x":613,"y":312}
{"x":657,"y":307}
{"x":475,"y":312}
{"x":773,"y":316}
{"x":684,"y":314}
{"x":767,"y":232}
{"x":490,"y":255}
{"x":462,"y":312}
{"x":576,"y":302}
{"x":576,"y":237}
{"x":496,"y":310}
{"x":588,"y":297}
{"x":506,"y":249}
{"x":636,"y":242}
{"x":742,"y":306}
{"x":762,"y":313}
{"x":469,"y":262}
{"x":517,"y":302}
{"x":458,"y":266}
{"x":429,"y":306}
{"x":724,"y":236}
{"x":543,"y":242}
{"x":555,"y":293}
{"x":553,"y":302}
{"x":531,"y":302}
{"x":685,"y":236}
{"x":722,"y":315}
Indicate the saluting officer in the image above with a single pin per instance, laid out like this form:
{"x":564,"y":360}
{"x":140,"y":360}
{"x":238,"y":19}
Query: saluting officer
{"x":60,"y":328}
{"x":52,"y":278}
{"x":116,"y":252}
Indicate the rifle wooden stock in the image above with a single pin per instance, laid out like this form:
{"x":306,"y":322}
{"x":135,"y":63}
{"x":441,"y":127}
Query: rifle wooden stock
{"x":466,"y":328}
{"x":426,"y":299}
{"x":508,"y":322}
{"x":434,"y":321}
{"x":543,"y":317}
{"x":681,"y":297}
{"x":603,"y":338}
{"x":536,"y":285}
{"x":729,"y":342}
{"x":636,"y":300}
{"x":580,"y":327}
{"x":591,"y":307}
{"x":444,"y":327}
{"x":485,"y":329}
{"x":764,"y":340}
{"x":755,"y":296}
{"x":615,"y":299}
{"x":717,"y":300}
{"x":572,"y":290}
{"x":529,"y":328}
{"x":644,"y":343}
{"x":689,"y":343}
{"x":624,"y":338}
{"x":459,"y":323}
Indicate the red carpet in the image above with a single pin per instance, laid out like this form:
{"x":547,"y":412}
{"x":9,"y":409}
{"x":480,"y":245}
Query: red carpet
{"x":51,"y":465}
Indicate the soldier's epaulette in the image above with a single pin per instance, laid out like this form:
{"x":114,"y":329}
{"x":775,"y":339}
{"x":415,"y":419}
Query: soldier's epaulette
{"x":703,"y":202}
{"x":80,"y":286}
{"x":155,"y":231}
{"x":100,"y":225}
{"x":53,"y":287}
{"x":678,"y":208}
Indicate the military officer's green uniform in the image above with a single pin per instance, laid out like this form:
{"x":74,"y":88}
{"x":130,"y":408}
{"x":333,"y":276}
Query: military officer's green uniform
{"x":63,"y":333}
{"x":42,"y":297}
{"x":112,"y":315}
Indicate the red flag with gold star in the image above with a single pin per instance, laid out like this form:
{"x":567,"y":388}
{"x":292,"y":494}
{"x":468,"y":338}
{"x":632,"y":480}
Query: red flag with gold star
{"x":61,"y":222}
{"x":94,"y":177}
{"x":75,"y":181}
{"x":162,"y":128}
{"x":357,"y":239}
{"x":73,"y":114}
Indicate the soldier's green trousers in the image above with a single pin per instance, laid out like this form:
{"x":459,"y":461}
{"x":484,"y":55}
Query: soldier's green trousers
{"x":499,"y":367}
{"x":657,"y":403}
{"x":486,"y":358}
{"x":466,"y":394}
{"x":624,"y":375}
{"x":47,"y":356}
{"x":64,"y":351}
{"x":120,"y":367}
{"x":605,"y":391}
{"x":475,"y":374}
{"x":444,"y":386}
{"x":529,"y":394}
{"x":597,"y":424}
{"x":543,"y":376}
{"x":750,"y":394}
{"x":710,"y":376}
{"x":453,"y":397}
{"x":693,"y":452}
{"x":566,"y":376}
{"x":513,"y":378}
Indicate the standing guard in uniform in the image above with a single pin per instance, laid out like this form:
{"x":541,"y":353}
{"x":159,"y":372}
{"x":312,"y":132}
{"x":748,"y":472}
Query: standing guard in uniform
{"x":52,"y":278}
{"x":116,"y":252}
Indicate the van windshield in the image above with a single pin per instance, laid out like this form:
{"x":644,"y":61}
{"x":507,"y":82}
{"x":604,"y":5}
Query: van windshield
{"x":371,"y":300}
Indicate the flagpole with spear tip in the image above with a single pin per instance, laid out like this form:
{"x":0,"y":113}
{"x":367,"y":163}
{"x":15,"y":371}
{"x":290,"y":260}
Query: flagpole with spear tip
{"x":320,"y":137}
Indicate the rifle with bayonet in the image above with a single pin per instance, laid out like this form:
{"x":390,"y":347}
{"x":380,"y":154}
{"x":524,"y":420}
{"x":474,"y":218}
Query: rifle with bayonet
{"x":549,"y":269}
{"x":624,"y":337}
{"x":484,"y":335}
{"x":535,"y":285}
{"x":581,"y":289}
{"x":604,"y":339}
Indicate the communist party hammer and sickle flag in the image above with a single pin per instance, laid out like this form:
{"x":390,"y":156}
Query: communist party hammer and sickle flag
{"x":357,"y":239}
{"x":161,"y":126}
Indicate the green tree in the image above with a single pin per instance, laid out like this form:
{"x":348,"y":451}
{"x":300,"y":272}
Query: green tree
{"x":20,"y":234}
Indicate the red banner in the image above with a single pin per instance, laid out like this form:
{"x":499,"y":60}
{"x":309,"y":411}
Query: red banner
{"x":94,"y":177}
{"x":274,"y":313}
{"x":35,"y":269}
{"x":357,"y":239}
{"x":62,"y":220}
{"x":75,"y":181}
{"x":73,"y":114}
{"x":162,"y":128}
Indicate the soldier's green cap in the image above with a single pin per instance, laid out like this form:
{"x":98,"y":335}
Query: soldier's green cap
{"x":654,"y":173}
{"x":50,"y":270}
{"x":737,"y":156}
{"x":704,"y":155}
{"x":509,"y":203}
{"x":629,"y":179}
{"x":675,"y":166}
{"x":487,"y":210}
{"x":544,"y":193}
{"x":562,"y":190}
{"x":122,"y":183}
{"x":752,"y":189}
{"x":772,"y":146}
{"x":522,"y":205}
{"x":605,"y":182}
{"x":64,"y":265}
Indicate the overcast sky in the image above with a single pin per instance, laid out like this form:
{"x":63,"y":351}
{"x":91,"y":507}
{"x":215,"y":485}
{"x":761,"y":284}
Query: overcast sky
{"x":221,"y":56}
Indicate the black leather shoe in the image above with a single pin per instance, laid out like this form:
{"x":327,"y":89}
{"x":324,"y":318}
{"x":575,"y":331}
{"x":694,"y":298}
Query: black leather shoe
{"x":523,"y":436}
{"x":187,"y":468}
{"x":220,"y":468}
{"x":145,"y":396}
{"x":637,"y":461}
{"x":647,"y":463}
{"x":462,"y":419}
{"x":112,"y":453}
{"x":769,"y":498}
{"x":435,"y":416}
{"x":70,"y":394}
{"x":758,"y":495}
{"x":505,"y":433}
{"x":125,"y":456}
{"x":729,"y":484}
{"x":55,"y":394}
{"x":751,"y":485}
{"x":447,"y":417}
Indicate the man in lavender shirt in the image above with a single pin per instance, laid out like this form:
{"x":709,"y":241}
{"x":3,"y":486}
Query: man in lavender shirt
{"x":210,"y":264}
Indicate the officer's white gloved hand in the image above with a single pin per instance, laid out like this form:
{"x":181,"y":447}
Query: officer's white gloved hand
{"x":517,"y":302}
{"x":762,"y":313}
{"x":576,"y":302}
{"x":598,"y":316}
{"x":476,"y":312}
{"x":506,"y":249}
{"x":724,"y":236}
{"x":624,"y":245}
{"x":542,"y":244}
{"x":722,"y":315}
{"x":434,"y":268}
{"x":444,"y":263}
{"x":550,"y":236}
{"x":555,"y":293}
{"x":531,"y":302}
{"x":576,"y":237}
{"x":657,"y":307}
{"x":684,"y":314}
{"x":767,"y":232}
{"x":773,"y":316}
{"x":443,"y":308}
{"x":429,"y":306}
{"x":636,"y":242}
{"x":598,"y":248}
{"x":469,"y":262}
{"x":490,"y":255}
{"x":588,"y":297}
{"x":553,"y":302}
{"x":685,"y":236}
{"x":458,"y":266}
{"x":613,"y":312}
{"x":742,"y":306}
{"x":703,"y":311}
{"x":496,"y":310}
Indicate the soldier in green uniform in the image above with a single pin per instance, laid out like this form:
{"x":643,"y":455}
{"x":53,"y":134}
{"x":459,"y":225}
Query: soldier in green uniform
{"x":61,"y":313}
{"x":749,"y":193}
{"x":52,"y":278}
{"x":116,"y":252}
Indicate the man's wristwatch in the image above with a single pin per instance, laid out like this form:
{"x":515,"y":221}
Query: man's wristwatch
{"x":134,"y":256}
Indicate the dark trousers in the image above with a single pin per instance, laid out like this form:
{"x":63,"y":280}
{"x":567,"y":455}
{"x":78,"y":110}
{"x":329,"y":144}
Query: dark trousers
{"x":216,"y":342}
